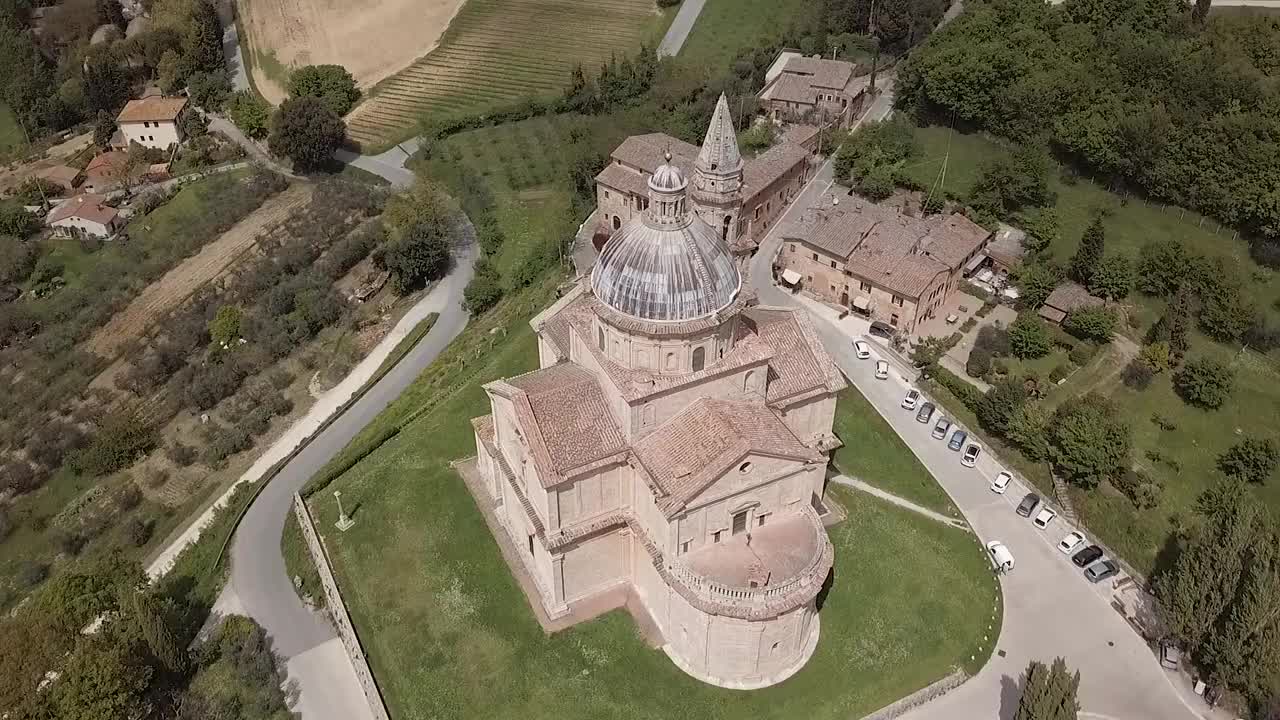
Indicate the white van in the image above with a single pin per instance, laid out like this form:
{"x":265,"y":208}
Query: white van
{"x":1001,"y":558}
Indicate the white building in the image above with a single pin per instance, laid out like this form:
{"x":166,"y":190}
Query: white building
{"x":153,"y":121}
{"x":86,"y":214}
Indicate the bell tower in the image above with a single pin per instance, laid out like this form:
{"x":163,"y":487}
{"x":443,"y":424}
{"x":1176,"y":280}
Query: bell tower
{"x":717,"y":176}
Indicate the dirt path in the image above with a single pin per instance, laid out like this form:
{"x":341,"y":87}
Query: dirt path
{"x":215,"y":259}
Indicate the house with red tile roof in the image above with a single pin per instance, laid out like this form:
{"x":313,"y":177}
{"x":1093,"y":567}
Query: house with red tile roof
{"x":153,"y":121}
{"x":86,"y":214}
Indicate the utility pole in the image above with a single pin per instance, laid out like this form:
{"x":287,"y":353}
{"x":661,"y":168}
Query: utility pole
{"x":875,"y":59}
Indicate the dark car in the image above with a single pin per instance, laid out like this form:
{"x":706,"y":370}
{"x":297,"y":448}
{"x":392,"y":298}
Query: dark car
{"x":957,"y":440}
{"x":924,"y":413}
{"x":1087,"y":556}
{"x":883,"y":329}
{"x":1028,"y":504}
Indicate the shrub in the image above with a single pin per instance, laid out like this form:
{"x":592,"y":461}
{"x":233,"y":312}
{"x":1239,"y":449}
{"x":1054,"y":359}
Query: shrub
{"x":1137,"y":375}
{"x":1251,"y":459}
{"x":180,"y":454}
{"x":993,"y":339}
{"x":1028,"y":337}
{"x":249,"y":113}
{"x":129,"y":497}
{"x":30,"y":573}
{"x":121,"y":439}
{"x":979,"y":363}
{"x":1142,"y":491}
{"x":17,"y":259}
{"x":1059,"y":373}
{"x":1205,"y":383}
{"x":1081,"y":353}
{"x":1156,"y":356}
{"x":968,"y":395}
{"x":223,"y":442}
{"x":1088,"y":442}
{"x":968,"y":325}
{"x":421,"y":253}
{"x":138,"y":531}
{"x":1000,"y":404}
{"x":68,"y":541}
{"x":1091,"y":323}
{"x":155,"y":478}
{"x":485,"y":289}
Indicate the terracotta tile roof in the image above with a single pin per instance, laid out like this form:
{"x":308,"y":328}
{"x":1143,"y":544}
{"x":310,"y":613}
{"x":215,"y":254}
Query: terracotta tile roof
{"x":800,"y":363}
{"x":61,"y":174}
{"x":799,"y":133}
{"x":623,"y":179}
{"x":834,"y":74}
{"x":568,"y":420}
{"x":691,"y":450}
{"x":792,"y":88}
{"x":109,"y":165}
{"x":953,"y":238}
{"x":87,"y":207}
{"x":1069,"y":297}
{"x":646,"y":152}
{"x":777,"y":161}
{"x":152,"y":109}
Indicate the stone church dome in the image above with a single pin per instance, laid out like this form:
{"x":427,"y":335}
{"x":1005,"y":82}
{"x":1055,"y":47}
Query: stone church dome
{"x":666,"y":265}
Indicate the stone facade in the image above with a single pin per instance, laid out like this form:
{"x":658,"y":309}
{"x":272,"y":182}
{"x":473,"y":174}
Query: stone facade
{"x":680,"y":458}
{"x":878,"y":262}
{"x":814,"y":90}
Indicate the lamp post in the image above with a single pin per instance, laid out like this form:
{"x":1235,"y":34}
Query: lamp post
{"x":344,"y":523}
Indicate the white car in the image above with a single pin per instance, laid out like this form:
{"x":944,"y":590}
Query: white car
{"x":913,"y":397}
{"x":862,"y":349}
{"x":1045,"y":517}
{"x":1001,"y":558}
{"x":1071,"y":543}
{"x":882,"y":370}
{"x":970,"y":457}
{"x":1001,"y":483}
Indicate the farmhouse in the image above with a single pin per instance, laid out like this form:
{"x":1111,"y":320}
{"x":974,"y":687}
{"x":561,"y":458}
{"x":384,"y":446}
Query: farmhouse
{"x":814,"y":90}
{"x":153,"y":122}
{"x":878,"y":262}
{"x":740,"y":198}
{"x":86,"y":214}
{"x":1066,"y":299}
{"x":674,"y":445}
{"x":106,"y":172}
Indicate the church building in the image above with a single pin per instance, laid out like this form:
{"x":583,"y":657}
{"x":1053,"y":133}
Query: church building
{"x":674,"y":442}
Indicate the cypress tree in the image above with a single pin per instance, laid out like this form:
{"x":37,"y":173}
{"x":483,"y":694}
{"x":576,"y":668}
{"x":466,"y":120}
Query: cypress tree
{"x":153,"y":625}
{"x":1048,"y":692}
{"x":202,"y":45}
{"x":1089,"y":254}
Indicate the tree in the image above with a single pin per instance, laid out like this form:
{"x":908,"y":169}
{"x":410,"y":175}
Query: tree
{"x":485,"y":289}
{"x":1226,"y":315}
{"x":110,"y":12}
{"x":103,"y":129}
{"x":1036,"y":282}
{"x":1088,"y":443}
{"x":1137,"y":374}
{"x":1174,"y":325}
{"x":1029,"y":429}
{"x":171,"y":73}
{"x":17,"y":222}
{"x":209,"y":90}
{"x":1205,"y":383}
{"x":421,"y":253}
{"x":1163,"y":266}
{"x":202,"y":42}
{"x":1200,"y":12}
{"x":1008,"y":184}
{"x":307,"y":132}
{"x":1000,"y":404}
{"x":1091,"y":323}
{"x":249,"y":113}
{"x":225,"y":328}
{"x":106,"y":88}
{"x":1113,"y":278}
{"x":152,"y":616}
{"x":103,"y":678}
{"x":1042,"y":229}
{"x":1048,"y":692}
{"x":1156,"y":357}
{"x":1090,"y":252}
{"x":882,"y":144}
{"x":426,"y":204}
{"x":979,"y":362}
{"x":330,"y":83}
{"x":1028,"y":337}
{"x":1252,"y":460}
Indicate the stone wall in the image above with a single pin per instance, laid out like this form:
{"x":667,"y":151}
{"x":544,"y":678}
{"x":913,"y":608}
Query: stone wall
{"x":338,"y":611}
{"x":920,"y":697}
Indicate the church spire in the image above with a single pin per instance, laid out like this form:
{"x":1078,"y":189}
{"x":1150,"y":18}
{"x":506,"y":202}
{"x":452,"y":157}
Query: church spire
{"x":719,"y":154}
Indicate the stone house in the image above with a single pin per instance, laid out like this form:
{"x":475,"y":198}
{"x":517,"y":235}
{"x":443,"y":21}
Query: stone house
{"x":1066,"y":299}
{"x":153,"y":122}
{"x":740,"y":197}
{"x":86,"y":214}
{"x":814,"y":90}
{"x":878,"y":262}
{"x":106,"y":172}
{"x":672,"y":444}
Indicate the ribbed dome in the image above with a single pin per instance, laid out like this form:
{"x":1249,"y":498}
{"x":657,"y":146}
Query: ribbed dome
{"x":667,"y":178}
{"x":666,"y":272}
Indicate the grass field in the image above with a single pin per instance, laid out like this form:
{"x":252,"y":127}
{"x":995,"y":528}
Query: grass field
{"x":873,"y":452}
{"x":421,"y":557}
{"x":1184,"y":458}
{"x":12,"y":138}
{"x":725,"y":27}
{"x":498,"y":51}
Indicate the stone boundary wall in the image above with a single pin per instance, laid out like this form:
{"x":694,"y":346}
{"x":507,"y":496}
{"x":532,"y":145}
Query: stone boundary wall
{"x":338,"y":611}
{"x":920,"y":697}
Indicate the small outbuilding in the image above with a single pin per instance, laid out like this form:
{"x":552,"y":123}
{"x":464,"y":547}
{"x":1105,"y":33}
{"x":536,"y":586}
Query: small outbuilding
{"x":1066,"y":299}
{"x":64,"y":176}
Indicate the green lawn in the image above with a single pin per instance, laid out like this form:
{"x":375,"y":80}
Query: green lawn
{"x":297,"y":561}
{"x":873,"y":452}
{"x":420,"y":557}
{"x":727,"y":26}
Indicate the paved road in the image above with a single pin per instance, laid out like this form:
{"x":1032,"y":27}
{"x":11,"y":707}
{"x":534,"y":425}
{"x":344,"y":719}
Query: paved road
{"x":1050,"y":609}
{"x":680,"y":28}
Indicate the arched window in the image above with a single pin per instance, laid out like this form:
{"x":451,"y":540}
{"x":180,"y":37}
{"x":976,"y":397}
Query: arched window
{"x":600,"y":337}
{"x":699,"y":358}
{"x":724,"y":231}
{"x":670,"y":361}
{"x":617,"y":222}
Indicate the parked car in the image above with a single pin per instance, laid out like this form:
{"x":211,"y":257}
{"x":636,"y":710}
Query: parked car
{"x":1001,"y":558}
{"x":1101,"y":570}
{"x":1044,"y":517}
{"x":970,"y":457}
{"x":1028,"y":505}
{"x":1001,"y":483}
{"x":862,"y":349}
{"x":882,"y":329}
{"x":882,"y":370}
{"x":941,"y":428}
{"x":957,"y":441}
{"x":925,"y":412}
{"x":1071,"y":543}
{"x":913,"y":397}
{"x":1170,"y":654}
{"x":1086,"y":556}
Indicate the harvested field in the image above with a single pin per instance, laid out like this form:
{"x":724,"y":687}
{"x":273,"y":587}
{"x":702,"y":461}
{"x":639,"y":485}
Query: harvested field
{"x":214,"y":260}
{"x":497,"y":51}
{"x":371,"y":40}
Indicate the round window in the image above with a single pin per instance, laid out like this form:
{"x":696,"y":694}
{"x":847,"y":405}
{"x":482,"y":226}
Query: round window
{"x":745,"y":467}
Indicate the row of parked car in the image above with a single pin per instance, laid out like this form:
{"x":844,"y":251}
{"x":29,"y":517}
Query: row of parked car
{"x":924,"y":414}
